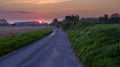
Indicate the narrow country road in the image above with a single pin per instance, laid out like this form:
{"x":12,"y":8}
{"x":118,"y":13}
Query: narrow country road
{"x":52,"y":51}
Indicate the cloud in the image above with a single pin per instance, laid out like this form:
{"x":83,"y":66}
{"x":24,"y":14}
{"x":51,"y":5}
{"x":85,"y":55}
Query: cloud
{"x":21,"y":12}
{"x":18,"y":2}
{"x":50,"y":1}
{"x":35,"y":1}
{"x":15,"y":12}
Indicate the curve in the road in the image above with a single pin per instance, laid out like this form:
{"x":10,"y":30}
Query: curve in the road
{"x":51,"y":51}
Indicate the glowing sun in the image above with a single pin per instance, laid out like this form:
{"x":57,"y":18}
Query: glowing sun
{"x":40,"y":21}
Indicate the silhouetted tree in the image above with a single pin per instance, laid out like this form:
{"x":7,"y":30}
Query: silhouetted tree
{"x":70,"y":21}
{"x":115,"y":18}
{"x":3,"y":22}
{"x":101,"y":19}
{"x":72,"y":18}
{"x":55,"y":21}
{"x":104,"y":19}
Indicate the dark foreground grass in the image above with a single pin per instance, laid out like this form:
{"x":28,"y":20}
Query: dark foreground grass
{"x":98,"y":45}
{"x":10,"y":44}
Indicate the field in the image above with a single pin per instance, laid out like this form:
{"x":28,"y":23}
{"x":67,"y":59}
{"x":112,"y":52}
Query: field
{"x":17,"y":37}
{"x":12,"y":31}
{"x":97,"y":45}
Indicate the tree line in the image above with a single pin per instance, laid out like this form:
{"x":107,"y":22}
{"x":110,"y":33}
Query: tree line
{"x":114,"y":18}
{"x":73,"y":19}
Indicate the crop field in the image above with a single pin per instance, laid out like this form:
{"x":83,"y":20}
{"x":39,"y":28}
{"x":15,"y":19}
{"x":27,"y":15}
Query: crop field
{"x":12,"y":31}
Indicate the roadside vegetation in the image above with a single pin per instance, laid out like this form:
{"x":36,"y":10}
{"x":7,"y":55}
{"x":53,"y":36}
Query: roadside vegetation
{"x":14,"y":42}
{"x":96,"y":45}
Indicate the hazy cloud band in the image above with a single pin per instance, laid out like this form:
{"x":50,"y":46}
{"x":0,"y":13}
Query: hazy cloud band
{"x":17,"y":12}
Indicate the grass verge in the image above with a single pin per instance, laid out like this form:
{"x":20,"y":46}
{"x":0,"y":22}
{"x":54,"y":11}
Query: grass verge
{"x":12,"y":43}
{"x":98,"y":45}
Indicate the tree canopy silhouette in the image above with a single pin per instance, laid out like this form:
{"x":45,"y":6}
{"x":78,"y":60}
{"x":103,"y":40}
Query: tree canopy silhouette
{"x":115,"y":18}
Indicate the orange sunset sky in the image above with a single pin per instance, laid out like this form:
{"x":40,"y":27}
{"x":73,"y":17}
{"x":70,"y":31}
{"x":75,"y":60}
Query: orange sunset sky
{"x":46,"y":10}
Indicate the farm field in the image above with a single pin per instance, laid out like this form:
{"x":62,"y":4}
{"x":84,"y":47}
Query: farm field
{"x":12,"y":31}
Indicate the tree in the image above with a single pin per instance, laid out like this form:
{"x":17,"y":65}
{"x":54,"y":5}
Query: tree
{"x":55,"y":21}
{"x":101,"y":19}
{"x":106,"y":18}
{"x":71,"y":18}
{"x":68,"y":19}
{"x":3,"y":22}
{"x":115,"y":18}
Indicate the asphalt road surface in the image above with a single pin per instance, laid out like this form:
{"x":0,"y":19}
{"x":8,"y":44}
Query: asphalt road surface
{"x":52,"y":51}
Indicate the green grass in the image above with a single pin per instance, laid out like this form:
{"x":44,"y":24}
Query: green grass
{"x":12,"y":43}
{"x":98,"y":45}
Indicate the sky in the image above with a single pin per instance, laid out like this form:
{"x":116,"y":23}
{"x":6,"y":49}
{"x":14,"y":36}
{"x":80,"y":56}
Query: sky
{"x":47,"y":10}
